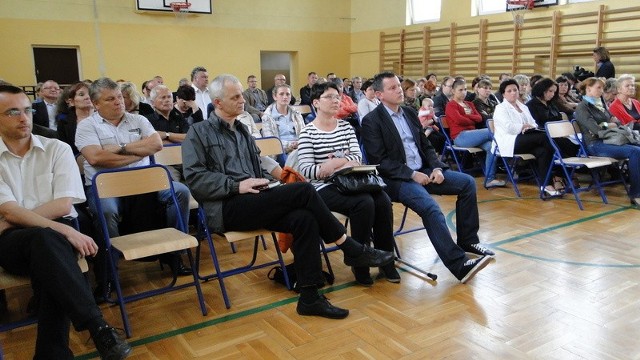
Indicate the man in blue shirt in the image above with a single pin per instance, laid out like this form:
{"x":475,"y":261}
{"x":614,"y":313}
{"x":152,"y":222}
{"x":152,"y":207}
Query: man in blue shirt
{"x":392,"y":137}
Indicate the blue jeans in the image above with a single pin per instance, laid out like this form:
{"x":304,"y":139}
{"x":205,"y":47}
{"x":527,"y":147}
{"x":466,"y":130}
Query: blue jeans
{"x":632,"y":152}
{"x":418,"y":198}
{"x":479,"y":138}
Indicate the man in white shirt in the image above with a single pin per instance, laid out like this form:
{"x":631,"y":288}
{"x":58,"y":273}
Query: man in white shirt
{"x":113,"y":138}
{"x":39,"y":183}
{"x":200,"y":81}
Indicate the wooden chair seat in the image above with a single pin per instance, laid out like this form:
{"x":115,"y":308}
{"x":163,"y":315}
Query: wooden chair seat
{"x":588,"y":162}
{"x":233,"y":236}
{"x":153,"y":242}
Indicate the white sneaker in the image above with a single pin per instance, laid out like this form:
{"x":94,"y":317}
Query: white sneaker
{"x":550,"y":191}
{"x":495,"y":183}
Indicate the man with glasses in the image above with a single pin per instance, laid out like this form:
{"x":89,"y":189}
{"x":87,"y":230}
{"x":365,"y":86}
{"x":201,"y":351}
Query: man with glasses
{"x":278,"y":80}
{"x":39,"y":183}
{"x":46,"y":110}
{"x":256,"y":99}
{"x":446,"y":92}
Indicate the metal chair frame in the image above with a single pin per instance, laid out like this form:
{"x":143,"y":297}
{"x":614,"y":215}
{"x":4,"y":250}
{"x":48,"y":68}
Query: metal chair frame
{"x":107,"y":184}
{"x":510,"y":163}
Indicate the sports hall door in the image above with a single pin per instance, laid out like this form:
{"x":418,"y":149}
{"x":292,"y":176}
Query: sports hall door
{"x":55,"y":63}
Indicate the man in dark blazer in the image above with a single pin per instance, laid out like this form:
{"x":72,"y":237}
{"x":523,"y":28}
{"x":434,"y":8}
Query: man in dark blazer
{"x":442,"y":97}
{"x":256,"y":99}
{"x":45,"y":110}
{"x":392,"y":138}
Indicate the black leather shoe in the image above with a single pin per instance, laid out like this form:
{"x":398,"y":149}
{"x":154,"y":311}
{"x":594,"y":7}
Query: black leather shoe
{"x":109,"y":344}
{"x":369,"y":257}
{"x":32,"y":306}
{"x":102,"y":293}
{"x":175,"y":263}
{"x":390,"y":273}
{"x":321,"y":307}
{"x":3,"y":302}
{"x":362,"y":276}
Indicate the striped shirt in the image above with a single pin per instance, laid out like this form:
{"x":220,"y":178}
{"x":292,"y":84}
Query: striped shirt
{"x":316,"y":146}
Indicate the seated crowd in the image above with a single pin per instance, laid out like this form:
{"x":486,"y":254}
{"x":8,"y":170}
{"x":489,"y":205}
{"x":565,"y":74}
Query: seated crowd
{"x":387,"y":120}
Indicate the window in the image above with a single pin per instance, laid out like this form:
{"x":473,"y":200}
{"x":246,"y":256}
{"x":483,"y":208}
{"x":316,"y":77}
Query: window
{"x":421,"y":11}
{"x":485,"y":7}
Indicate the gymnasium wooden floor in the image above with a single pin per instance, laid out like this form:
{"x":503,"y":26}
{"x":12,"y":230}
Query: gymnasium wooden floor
{"x":563,"y":285}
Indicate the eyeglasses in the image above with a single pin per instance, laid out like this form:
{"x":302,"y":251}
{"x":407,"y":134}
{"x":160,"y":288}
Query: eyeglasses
{"x":331,"y":97}
{"x":18,"y":112}
{"x":280,"y":79}
{"x":51,"y":88}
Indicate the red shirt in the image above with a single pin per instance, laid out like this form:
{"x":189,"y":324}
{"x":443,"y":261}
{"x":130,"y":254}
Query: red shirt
{"x":618,"y":110}
{"x":459,"y":120}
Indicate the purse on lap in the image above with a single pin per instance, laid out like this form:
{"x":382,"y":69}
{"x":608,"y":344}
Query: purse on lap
{"x":357,"y":179}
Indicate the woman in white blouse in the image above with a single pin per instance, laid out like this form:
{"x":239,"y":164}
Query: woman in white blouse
{"x":369,"y":101}
{"x":327,"y":145}
{"x":516,"y":131}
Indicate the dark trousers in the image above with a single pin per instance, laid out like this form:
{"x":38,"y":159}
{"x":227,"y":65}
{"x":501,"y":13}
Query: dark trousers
{"x":366,"y":212}
{"x":419,"y":199}
{"x":50,"y":260}
{"x":537,"y":144}
{"x":293,"y":208}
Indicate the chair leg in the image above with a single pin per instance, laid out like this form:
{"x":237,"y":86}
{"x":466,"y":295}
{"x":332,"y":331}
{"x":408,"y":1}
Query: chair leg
{"x":214,"y":258}
{"x":196,"y":281}
{"x":598,"y":184}
{"x":280,"y":260}
{"x":509,"y":170}
{"x":120,"y":298}
{"x":325,"y":253}
{"x":264,"y":243}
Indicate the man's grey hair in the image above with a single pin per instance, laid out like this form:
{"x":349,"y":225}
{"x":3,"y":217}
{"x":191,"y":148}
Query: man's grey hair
{"x":154,"y":92}
{"x":104,"y":83}
{"x":196,"y":70}
{"x":216,"y":88}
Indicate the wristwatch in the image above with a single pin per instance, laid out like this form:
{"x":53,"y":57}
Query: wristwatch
{"x":166,"y":135}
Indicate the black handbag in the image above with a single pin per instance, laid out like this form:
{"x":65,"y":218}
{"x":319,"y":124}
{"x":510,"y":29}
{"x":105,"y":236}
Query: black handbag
{"x":357,"y":179}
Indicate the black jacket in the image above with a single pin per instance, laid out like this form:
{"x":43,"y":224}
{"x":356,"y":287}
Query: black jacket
{"x":383,"y":146}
